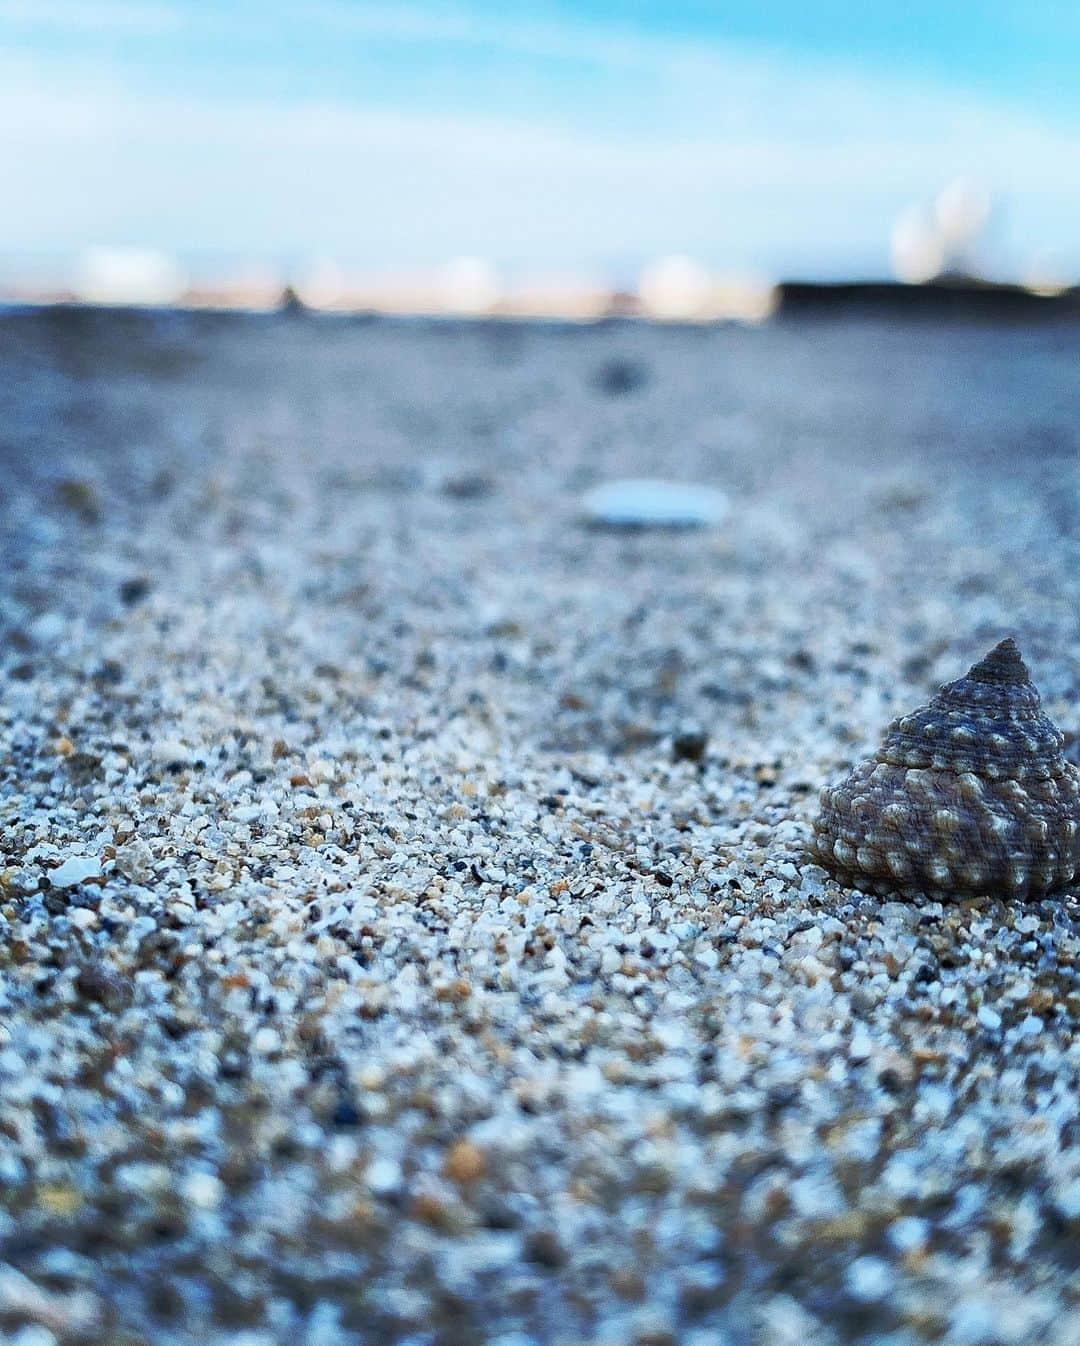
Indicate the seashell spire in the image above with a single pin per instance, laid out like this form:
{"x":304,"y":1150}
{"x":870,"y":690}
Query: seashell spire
{"x":968,"y":794}
{"x":1004,"y":664}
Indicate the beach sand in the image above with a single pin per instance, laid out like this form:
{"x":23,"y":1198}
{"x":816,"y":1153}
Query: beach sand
{"x":430,"y":956}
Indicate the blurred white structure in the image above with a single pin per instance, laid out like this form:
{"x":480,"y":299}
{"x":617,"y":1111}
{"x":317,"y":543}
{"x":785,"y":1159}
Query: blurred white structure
{"x":961,"y":213}
{"x":674,"y":289}
{"x":1045,"y":274}
{"x":678,"y":289}
{"x":941,"y":238}
{"x":468,"y":285}
{"x":128,"y":276}
{"x":915,"y":248}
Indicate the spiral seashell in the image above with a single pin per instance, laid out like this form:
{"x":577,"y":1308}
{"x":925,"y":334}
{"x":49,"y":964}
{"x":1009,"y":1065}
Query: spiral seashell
{"x":968,"y":794}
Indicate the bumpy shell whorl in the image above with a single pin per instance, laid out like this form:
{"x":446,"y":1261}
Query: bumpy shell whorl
{"x":968,"y":794}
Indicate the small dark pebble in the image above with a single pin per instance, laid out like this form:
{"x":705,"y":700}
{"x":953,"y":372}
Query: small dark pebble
{"x":97,"y":984}
{"x":542,"y":1246}
{"x":134,"y":590}
{"x":109,"y":673}
{"x":689,"y":745}
{"x":620,"y":376}
{"x":497,"y":1213}
{"x":81,"y":498}
{"x":468,"y":486}
{"x":781,"y":1097}
{"x":346,"y":1114}
{"x":83,"y":767}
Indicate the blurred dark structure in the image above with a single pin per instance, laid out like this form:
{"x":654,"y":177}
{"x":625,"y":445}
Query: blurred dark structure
{"x":951,"y":297}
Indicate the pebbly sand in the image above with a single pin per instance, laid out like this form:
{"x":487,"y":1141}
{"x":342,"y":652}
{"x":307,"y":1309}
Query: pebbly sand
{"x":411,"y":970}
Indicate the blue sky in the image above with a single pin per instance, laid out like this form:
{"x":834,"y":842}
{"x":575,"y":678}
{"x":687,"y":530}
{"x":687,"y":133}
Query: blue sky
{"x":775,"y":137}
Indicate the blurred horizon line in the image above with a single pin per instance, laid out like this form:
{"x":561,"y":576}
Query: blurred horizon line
{"x":670,"y":289}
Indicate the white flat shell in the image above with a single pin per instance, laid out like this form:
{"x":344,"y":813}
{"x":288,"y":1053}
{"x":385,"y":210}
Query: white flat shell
{"x":638,"y":502}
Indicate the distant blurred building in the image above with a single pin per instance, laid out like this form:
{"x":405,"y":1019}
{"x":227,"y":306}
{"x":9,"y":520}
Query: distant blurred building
{"x":624,"y":304}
